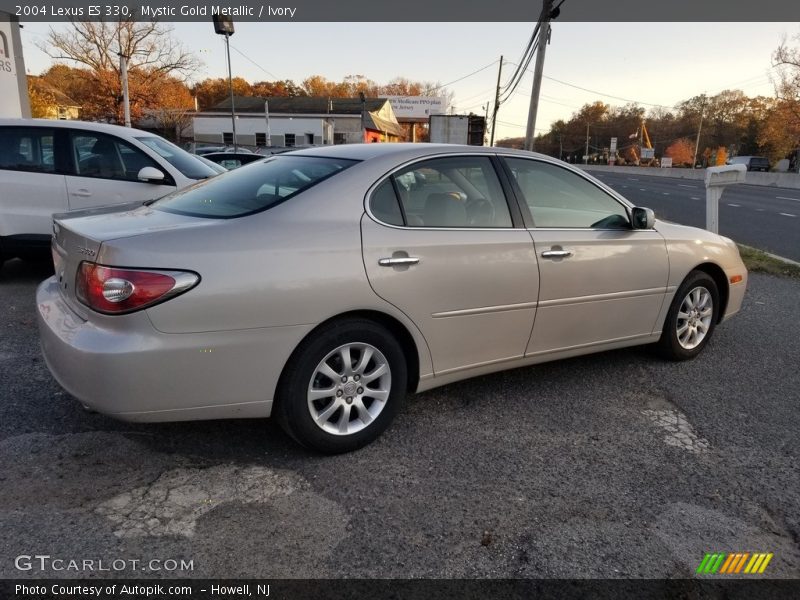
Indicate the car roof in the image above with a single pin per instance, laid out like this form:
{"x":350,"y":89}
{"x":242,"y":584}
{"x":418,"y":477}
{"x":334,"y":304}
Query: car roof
{"x":118,"y":130}
{"x":403,"y":150}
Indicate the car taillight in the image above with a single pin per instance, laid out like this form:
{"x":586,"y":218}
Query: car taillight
{"x":114,"y":291}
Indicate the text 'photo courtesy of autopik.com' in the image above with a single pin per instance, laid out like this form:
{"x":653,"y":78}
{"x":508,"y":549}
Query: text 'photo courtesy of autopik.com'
{"x":413,"y":300}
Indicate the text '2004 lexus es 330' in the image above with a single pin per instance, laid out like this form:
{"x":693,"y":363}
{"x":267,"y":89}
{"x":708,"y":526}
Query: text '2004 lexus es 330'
{"x":323,"y":285}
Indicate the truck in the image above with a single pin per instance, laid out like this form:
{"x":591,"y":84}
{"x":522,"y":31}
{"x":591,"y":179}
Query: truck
{"x":457,"y":129}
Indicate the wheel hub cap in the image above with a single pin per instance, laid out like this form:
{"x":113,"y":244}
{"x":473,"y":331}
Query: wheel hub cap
{"x":349,"y":388}
{"x":694,"y":317}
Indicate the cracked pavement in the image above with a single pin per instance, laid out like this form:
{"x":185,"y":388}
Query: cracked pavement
{"x":610,"y":465}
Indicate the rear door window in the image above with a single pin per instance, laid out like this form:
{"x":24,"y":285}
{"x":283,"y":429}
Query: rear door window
{"x":456,"y":192}
{"x":252,"y":189}
{"x":27,"y":149}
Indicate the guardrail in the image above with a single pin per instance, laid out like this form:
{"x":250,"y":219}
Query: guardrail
{"x":782,"y":180}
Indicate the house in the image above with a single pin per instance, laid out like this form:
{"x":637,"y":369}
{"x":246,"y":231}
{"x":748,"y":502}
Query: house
{"x":48,"y":102}
{"x":298,"y":121}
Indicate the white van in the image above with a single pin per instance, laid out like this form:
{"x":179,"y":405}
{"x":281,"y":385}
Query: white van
{"x":49,"y":166}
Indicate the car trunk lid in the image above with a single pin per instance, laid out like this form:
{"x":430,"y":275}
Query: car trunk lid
{"x":79,"y":237}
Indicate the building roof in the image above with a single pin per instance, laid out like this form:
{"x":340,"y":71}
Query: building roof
{"x":60,"y":98}
{"x":299,"y":105}
{"x":304,"y":105}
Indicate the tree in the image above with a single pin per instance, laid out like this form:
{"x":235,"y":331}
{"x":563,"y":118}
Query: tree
{"x":782,"y":133}
{"x":153,"y":56}
{"x":213,"y":91}
{"x":681,"y":152}
{"x":42,"y":101}
{"x":277,"y":89}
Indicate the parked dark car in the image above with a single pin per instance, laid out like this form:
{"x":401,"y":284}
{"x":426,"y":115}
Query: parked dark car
{"x":753,"y":163}
{"x":233,"y":160}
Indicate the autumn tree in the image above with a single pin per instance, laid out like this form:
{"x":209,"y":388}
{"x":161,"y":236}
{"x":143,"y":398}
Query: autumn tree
{"x":210,"y":92}
{"x":41,"y":100}
{"x":681,"y":152}
{"x":781,"y":131}
{"x":153,"y":57}
{"x":277,"y":89}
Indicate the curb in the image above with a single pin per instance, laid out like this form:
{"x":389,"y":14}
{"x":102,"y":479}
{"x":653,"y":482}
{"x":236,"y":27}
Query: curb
{"x":775,"y":256}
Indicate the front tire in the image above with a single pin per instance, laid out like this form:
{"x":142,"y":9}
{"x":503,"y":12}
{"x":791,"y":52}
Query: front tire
{"x":691,"y":319}
{"x":342,"y":386}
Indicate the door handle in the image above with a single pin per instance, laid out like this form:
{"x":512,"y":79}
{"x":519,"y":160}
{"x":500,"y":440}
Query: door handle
{"x":556,"y":254}
{"x":398,"y":261}
{"x":82,"y":193}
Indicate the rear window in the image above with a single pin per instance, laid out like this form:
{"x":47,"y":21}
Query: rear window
{"x":253,"y":188}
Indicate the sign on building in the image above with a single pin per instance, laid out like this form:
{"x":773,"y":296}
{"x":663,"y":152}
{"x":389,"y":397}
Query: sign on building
{"x":416,"y":107}
{"x":13,"y":82}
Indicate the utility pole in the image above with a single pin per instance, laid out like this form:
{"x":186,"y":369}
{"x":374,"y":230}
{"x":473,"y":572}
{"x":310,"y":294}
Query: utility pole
{"x":544,"y":39}
{"x":641,"y":141}
{"x":586,"y":154}
{"x":126,"y":103}
{"x":496,"y":101}
{"x":699,"y":129}
{"x":363,"y":116}
{"x":123,"y":73}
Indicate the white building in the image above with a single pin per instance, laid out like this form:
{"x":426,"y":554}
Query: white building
{"x":298,"y":122}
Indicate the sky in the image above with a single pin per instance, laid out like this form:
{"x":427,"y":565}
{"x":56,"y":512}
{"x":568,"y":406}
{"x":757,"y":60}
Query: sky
{"x":651,"y":63}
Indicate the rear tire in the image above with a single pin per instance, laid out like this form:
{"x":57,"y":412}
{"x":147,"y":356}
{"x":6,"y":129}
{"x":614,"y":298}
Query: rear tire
{"x":342,"y":386}
{"x":691,"y":319}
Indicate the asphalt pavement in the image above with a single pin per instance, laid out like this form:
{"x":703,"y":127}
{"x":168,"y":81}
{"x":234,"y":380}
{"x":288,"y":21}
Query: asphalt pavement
{"x":767,"y":218}
{"x":606,"y":466}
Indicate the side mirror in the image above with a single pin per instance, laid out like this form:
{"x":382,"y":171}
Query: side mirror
{"x":150,"y":175}
{"x":642,"y":218}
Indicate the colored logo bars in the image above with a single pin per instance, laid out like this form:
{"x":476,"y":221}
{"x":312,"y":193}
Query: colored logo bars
{"x":721,"y":563}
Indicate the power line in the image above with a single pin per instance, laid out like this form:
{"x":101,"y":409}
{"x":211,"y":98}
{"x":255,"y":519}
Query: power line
{"x":256,"y":64}
{"x":444,"y":85}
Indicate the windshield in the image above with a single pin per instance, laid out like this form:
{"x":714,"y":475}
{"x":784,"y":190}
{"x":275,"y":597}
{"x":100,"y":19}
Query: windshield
{"x":252,"y":188}
{"x":187,"y":164}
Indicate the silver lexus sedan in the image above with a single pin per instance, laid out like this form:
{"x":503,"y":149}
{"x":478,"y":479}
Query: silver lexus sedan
{"x":323,"y":285}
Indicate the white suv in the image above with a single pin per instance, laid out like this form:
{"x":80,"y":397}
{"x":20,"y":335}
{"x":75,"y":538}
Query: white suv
{"x":51,"y":167}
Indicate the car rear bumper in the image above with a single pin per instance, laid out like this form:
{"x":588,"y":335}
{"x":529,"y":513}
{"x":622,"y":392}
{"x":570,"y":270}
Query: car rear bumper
{"x":122,"y":366}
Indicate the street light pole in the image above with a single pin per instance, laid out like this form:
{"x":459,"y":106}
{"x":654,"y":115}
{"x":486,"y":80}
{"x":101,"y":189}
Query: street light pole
{"x":230,"y":86}
{"x":223,"y":25}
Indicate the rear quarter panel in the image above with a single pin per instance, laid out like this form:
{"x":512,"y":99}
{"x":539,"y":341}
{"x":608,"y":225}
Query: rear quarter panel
{"x":298,"y":263}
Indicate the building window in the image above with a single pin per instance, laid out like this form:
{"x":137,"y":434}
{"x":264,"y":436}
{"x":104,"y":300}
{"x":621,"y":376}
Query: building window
{"x":289,"y":140}
{"x":310,"y":139}
{"x":227,"y":138}
{"x":339,"y":138}
{"x":261,"y":139}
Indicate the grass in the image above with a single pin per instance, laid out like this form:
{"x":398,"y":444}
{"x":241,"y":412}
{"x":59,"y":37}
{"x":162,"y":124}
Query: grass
{"x":757,"y":261}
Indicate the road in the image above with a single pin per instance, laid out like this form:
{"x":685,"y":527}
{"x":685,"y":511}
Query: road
{"x":608,"y":466}
{"x":767,"y":218}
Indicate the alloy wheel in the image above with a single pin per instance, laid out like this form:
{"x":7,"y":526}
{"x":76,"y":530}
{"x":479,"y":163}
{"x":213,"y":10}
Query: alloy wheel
{"x":349,"y":388}
{"x":694,"y":317}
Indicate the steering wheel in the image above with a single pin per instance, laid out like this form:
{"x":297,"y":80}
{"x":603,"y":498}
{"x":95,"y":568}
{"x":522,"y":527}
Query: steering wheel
{"x":480,"y":211}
